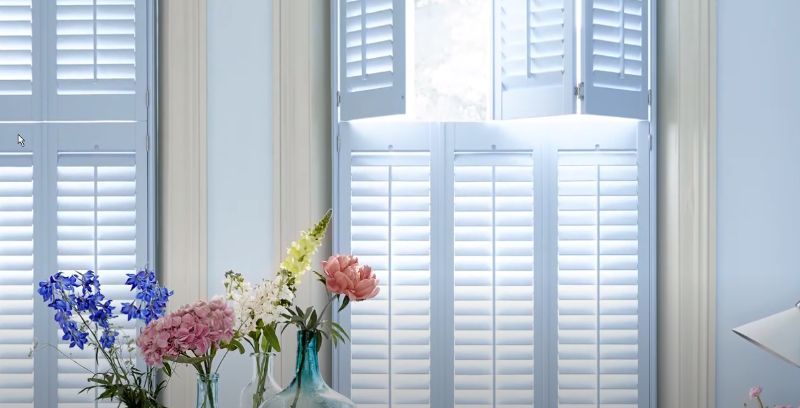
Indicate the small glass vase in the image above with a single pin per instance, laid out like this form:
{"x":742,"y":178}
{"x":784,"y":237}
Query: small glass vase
{"x":308,"y":389}
{"x":262,"y":386}
{"x":208,"y":391}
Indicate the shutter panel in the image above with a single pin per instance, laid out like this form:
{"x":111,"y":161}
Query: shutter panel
{"x":534,"y":68}
{"x":493,"y":278}
{"x":598,"y":279}
{"x":18,"y":87}
{"x":390,"y":230}
{"x":100,"y":214}
{"x":100,"y":60}
{"x":16,"y":279}
{"x":372,"y":58}
{"x":615,"y":58}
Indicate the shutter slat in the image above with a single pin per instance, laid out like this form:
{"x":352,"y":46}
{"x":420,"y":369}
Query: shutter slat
{"x":16,"y":48}
{"x":493,"y":277}
{"x":390,"y":230}
{"x":598,"y":285}
{"x":16,"y":278}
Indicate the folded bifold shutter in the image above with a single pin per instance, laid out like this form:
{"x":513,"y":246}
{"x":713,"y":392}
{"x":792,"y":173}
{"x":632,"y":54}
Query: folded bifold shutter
{"x":493,"y":275}
{"x":99,"y":67}
{"x":100,"y":213}
{"x":615,"y":55}
{"x":534,"y":67}
{"x":372,"y":58}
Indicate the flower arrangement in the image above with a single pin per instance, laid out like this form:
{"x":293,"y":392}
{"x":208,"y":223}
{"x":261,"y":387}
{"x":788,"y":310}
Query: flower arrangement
{"x":190,"y":335}
{"x":84,"y":316}
{"x":755,"y":394}
{"x":260,"y":307}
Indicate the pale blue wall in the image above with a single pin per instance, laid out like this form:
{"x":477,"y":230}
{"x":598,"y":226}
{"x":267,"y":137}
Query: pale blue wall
{"x":758,"y":157}
{"x":239,"y":154}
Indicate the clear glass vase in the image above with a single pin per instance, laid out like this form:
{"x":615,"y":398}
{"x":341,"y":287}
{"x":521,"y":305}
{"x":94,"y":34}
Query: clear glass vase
{"x":208,"y":391}
{"x":308,"y":389}
{"x":262,"y":386}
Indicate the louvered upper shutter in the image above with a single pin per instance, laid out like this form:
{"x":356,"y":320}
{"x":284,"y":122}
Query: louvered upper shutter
{"x":390,"y":230}
{"x":16,"y":274}
{"x":615,"y":55}
{"x":99,"y":68}
{"x":19,"y":80}
{"x":534,"y":68}
{"x":372,"y":58}
{"x":493,"y":275}
{"x":599,"y":330}
{"x":100,"y":225}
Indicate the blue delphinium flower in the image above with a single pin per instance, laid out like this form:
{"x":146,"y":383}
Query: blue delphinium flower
{"x":150,"y":301}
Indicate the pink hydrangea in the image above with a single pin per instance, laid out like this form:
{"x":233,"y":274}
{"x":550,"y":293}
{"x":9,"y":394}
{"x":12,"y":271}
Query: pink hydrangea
{"x":196,"y":328}
{"x":345,"y":276}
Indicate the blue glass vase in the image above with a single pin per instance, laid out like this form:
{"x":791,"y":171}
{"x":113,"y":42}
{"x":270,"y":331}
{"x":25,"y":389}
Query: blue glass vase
{"x":208,"y":391}
{"x":308,"y":389}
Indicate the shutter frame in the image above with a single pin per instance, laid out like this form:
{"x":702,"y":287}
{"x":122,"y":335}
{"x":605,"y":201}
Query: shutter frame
{"x":388,"y":98}
{"x":603,"y":93}
{"x":519,"y":91}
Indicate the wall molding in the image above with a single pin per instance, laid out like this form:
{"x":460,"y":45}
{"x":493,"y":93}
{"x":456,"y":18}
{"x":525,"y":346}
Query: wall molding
{"x":687,"y":203}
{"x":302,"y":174}
{"x":182,"y":185}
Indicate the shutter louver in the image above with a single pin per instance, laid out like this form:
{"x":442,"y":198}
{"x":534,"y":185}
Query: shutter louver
{"x":16,"y":280}
{"x":96,"y":215}
{"x":534,"y":69}
{"x":390,"y":230}
{"x":615,"y":61}
{"x":598,"y":279}
{"x":372,"y":59}
{"x":16,"y":47}
{"x":100,"y":60}
{"x":493,"y":277}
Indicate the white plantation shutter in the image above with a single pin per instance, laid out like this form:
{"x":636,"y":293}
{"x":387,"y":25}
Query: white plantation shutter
{"x":598,"y":279}
{"x":100,"y":226}
{"x":16,"y":278}
{"x":372,"y":58}
{"x":19,"y":82}
{"x":390,"y":230}
{"x":99,"y":68}
{"x":615,"y":56}
{"x":534,"y":70}
{"x":493,"y":280}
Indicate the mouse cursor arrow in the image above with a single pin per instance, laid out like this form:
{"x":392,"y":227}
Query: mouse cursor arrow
{"x":20,"y":140}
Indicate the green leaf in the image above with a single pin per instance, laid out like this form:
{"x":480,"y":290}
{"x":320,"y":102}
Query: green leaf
{"x":319,"y":341}
{"x":274,"y":342}
{"x":340,"y":329}
{"x":186,"y":360}
{"x":167,"y":369}
{"x":344,"y":304}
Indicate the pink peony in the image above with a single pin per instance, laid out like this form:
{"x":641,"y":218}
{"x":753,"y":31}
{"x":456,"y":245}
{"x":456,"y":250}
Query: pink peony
{"x":344,"y":276}
{"x":755,"y":392}
{"x":196,"y":328}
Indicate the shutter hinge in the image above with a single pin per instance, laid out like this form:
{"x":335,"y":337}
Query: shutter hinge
{"x":338,"y":98}
{"x":579,"y":91}
{"x":147,"y":98}
{"x":650,"y":97}
{"x":338,"y":141}
{"x":650,"y":139}
{"x":147,"y":141}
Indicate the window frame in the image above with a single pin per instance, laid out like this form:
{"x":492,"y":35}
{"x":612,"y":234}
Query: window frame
{"x":337,"y":195}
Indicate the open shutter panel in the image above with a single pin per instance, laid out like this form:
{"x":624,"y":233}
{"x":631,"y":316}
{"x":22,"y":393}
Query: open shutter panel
{"x":534,"y":70}
{"x":100,"y":214}
{"x":598,"y":279}
{"x":19,"y":97}
{"x":99,"y":69}
{"x":615,"y":58}
{"x":390,"y":230}
{"x":372,"y":58}
{"x":16,"y":279}
{"x":493,"y":278}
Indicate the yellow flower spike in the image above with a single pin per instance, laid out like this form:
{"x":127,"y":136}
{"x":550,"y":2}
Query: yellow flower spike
{"x":298,"y":256}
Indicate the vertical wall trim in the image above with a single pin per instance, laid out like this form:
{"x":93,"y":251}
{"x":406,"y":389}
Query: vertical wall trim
{"x":302,"y":143}
{"x":182,"y":215}
{"x":687,"y":202}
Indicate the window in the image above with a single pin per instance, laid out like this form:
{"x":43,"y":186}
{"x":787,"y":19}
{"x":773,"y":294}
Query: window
{"x":514,"y":255}
{"x":75,"y":130}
